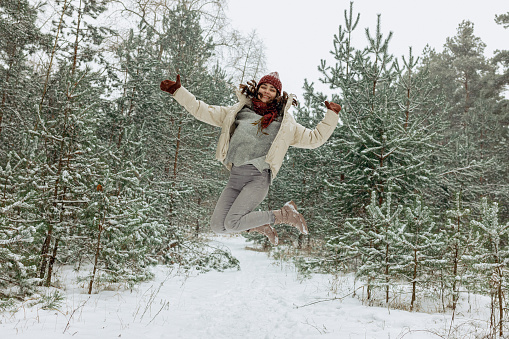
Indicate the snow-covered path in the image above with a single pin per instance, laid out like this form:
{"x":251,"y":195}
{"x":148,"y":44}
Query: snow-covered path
{"x":259,"y":301}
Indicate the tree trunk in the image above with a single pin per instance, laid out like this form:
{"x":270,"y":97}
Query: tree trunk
{"x":44,"y":252}
{"x":414,"y":282}
{"x":455,"y":273}
{"x":387,"y":273}
{"x":197,"y":229}
{"x":96,"y":259}
{"x":51,"y":262}
{"x":501,"y":307}
{"x":175,"y":167}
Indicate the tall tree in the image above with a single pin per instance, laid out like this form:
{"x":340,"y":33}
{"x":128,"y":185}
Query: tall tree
{"x":17,"y":220}
{"x":490,"y":259}
{"x":388,"y":137}
{"x":500,"y":145}
{"x":17,"y":92}
{"x":415,"y":256}
{"x":474,"y":158}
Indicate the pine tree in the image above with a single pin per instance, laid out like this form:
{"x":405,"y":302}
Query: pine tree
{"x":418,"y":240}
{"x":125,"y":236}
{"x":388,"y":136}
{"x":500,"y":144}
{"x":17,"y":231}
{"x":474,"y":157}
{"x":386,"y":144}
{"x":67,"y":116}
{"x":460,"y":242}
{"x":491,"y":261}
{"x":17,"y":92}
{"x":370,"y":245}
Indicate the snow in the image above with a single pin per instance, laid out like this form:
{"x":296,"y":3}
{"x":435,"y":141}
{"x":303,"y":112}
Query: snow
{"x":265,"y":299}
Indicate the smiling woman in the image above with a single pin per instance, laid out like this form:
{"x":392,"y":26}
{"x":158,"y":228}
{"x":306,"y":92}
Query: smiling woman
{"x":256,"y":134}
{"x":267,"y":92}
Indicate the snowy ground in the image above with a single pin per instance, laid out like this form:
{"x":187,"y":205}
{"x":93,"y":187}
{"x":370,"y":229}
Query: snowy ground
{"x":265,"y":299}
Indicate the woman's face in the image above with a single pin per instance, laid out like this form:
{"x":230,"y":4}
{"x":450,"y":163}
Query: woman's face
{"x":266,"y":92}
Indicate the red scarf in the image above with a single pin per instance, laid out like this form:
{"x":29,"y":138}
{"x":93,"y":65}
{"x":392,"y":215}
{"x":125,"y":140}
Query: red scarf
{"x":268,"y":112}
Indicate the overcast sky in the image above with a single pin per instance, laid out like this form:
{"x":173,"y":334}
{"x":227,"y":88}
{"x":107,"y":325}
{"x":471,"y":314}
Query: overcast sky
{"x":297,"y":33}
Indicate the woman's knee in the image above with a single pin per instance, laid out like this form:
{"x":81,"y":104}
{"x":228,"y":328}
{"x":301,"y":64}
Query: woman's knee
{"x":218,"y":228}
{"x":231,"y":224}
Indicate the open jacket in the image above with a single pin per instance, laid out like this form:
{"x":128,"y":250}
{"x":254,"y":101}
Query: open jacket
{"x":290,"y":133}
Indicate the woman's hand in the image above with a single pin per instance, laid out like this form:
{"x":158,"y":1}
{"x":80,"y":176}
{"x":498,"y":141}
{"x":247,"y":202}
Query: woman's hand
{"x":170,"y":86}
{"x":333,"y":107}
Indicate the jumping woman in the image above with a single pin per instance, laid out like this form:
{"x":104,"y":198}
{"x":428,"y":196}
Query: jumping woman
{"x":255,"y":135}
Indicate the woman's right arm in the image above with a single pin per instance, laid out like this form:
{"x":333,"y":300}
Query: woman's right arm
{"x":213,"y":115}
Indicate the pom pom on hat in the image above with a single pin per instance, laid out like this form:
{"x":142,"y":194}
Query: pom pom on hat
{"x":273,"y":79}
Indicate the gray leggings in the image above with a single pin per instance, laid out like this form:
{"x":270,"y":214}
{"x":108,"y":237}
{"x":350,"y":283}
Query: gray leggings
{"x":246,"y":189}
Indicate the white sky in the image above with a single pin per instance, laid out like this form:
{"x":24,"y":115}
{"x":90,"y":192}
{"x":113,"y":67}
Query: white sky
{"x":297,"y":34}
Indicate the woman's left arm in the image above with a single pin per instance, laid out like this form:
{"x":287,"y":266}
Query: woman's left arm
{"x":313,"y":138}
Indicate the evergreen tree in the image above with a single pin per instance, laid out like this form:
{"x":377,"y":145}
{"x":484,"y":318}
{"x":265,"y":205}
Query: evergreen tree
{"x":17,"y":231}
{"x":386,"y":145}
{"x":474,"y":159}
{"x":388,"y":135}
{"x":460,"y":242}
{"x":67,"y":118}
{"x":17,"y":91}
{"x":491,"y":262}
{"x":416,"y":257}
{"x":501,"y":144}
{"x":370,"y":245}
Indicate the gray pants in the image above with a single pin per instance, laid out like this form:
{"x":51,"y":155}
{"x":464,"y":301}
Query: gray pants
{"x":246,"y":189}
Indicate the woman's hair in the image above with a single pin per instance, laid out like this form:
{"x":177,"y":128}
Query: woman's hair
{"x":251,"y":91}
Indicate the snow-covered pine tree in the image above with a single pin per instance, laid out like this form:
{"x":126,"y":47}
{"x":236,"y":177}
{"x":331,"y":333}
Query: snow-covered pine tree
{"x":18,"y":193}
{"x":385,"y":144}
{"x":491,"y":259}
{"x":122,"y":236}
{"x":419,"y":238}
{"x":460,"y":243}
{"x":17,"y":206}
{"x":370,"y":245}
{"x":17,"y":91}
{"x":67,"y":117}
{"x":387,"y":136}
{"x":475,"y":152}
{"x":385,"y":239}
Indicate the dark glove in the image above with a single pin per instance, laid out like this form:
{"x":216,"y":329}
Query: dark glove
{"x":333,"y":106}
{"x":170,"y":86}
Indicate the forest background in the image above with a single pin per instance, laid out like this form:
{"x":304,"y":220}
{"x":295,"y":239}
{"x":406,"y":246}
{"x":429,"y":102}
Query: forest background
{"x":101,"y":170}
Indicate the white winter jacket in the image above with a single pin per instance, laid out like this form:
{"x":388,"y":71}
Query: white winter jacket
{"x":290,"y":133}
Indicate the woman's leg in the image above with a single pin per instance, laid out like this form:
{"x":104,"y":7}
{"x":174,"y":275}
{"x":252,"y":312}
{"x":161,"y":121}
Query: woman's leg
{"x":241,"y":217}
{"x":246,"y":189}
{"x":223,"y":205}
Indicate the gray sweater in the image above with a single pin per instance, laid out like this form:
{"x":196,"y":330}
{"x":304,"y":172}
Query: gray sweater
{"x":247,"y":144}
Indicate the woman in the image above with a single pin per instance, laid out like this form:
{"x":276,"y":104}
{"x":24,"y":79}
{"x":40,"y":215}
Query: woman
{"x":255,"y":135}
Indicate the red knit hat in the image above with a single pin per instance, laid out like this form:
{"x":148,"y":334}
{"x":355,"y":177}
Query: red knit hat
{"x":273,"y":79}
